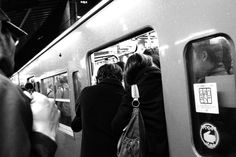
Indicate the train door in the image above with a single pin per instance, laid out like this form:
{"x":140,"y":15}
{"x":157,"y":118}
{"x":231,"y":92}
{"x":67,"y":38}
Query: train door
{"x":211,"y":82}
{"x":119,"y":51}
{"x":69,"y":142}
{"x":74,"y":78}
{"x":57,"y":86}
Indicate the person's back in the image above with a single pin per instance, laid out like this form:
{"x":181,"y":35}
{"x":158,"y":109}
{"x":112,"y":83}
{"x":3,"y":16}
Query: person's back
{"x":98,"y":105}
{"x":148,"y":79}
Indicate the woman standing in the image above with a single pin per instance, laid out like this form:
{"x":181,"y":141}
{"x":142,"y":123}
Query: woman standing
{"x":140,"y":70}
{"x":97,"y":106}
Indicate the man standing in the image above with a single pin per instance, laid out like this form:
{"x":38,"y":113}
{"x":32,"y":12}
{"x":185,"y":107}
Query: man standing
{"x":28,"y":125}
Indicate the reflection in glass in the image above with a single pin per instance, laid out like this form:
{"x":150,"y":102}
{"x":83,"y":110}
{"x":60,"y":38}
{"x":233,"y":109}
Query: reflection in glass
{"x":210,"y":61}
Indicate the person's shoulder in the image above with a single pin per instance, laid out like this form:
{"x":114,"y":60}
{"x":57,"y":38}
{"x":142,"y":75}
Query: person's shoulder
{"x":7,"y":86}
{"x":12,"y":95}
{"x":87,"y":89}
{"x":4,"y":80}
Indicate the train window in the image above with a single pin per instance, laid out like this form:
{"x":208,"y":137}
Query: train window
{"x":48,"y":87}
{"x":211,"y":80}
{"x":62,"y":98}
{"x":120,"y":52}
{"x":57,"y":87}
{"x":62,"y":86}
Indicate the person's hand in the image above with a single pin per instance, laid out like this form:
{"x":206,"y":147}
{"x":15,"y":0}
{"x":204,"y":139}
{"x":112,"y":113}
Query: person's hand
{"x":45,"y":115}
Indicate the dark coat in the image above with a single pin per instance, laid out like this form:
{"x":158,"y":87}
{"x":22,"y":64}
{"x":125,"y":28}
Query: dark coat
{"x":97,"y":106}
{"x":16,"y":136}
{"x":152,"y":109}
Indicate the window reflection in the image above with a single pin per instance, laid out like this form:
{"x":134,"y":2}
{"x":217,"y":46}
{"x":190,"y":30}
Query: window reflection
{"x":57,"y":87}
{"x":209,"y":63}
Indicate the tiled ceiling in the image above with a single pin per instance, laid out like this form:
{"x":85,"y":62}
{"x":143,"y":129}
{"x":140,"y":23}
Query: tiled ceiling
{"x":43,"y":20}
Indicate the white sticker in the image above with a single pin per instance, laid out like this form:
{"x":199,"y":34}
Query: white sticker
{"x":209,"y":135}
{"x":206,"y":100}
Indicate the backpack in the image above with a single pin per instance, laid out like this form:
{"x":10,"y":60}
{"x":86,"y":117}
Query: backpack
{"x":131,"y":142}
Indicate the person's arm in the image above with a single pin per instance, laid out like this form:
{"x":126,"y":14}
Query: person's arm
{"x":15,"y":129}
{"x":45,"y":123}
{"x":42,"y":145}
{"x":76,"y":124}
{"x":45,"y":115}
{"x":16,"y":135}
{"x":123,"y":115}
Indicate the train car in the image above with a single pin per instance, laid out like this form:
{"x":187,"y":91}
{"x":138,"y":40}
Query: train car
{"x":199,"y":112}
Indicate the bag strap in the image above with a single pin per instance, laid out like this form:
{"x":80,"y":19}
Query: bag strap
{"x":135,"y":95}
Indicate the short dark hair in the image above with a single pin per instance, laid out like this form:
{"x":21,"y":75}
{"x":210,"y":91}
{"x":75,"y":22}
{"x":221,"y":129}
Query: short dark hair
{"x":154,"y":53}
{"x":28,"y":86}
{"x":121,"y":64}
{"x":109,"y":71}
{"x":134,"y":64}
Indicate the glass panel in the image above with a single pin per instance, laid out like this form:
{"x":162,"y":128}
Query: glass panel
{"x":62,"y":92}
{"x":48,"y":87}
{"x":64,"y":107}
{"x":212,"y":95}
{"x":62,"y":86}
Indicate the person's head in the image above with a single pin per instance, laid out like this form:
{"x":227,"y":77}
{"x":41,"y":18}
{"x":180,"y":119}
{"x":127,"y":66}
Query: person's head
{"x":206,"y":57}
{"x":154,"y":54}
{"x":121,"y":64}
{"x":9,"y":33}
{"x":29,"y":87}
{"x":109,"y":71}
{"x":134,"y":64}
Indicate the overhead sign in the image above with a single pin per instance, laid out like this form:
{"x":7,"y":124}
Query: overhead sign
{"x":209,"y":135}
{"x":206,"y":100}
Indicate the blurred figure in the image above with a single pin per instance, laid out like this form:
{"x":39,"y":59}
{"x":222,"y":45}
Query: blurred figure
{"x":141,"y":46}
{"x":97,"y":106}
{"x":22,"y":87}
{"x":208,"y":61}
{"x":29,"y":87}
{"x":211,"y":60}
{"x":154,"y":54}
{"x":64,"y":107}
{"x":50,"y":91}
{"x":140,"y":70}
{"x":121,"y":64}
{"x":227,"y":58}
{"x":28,"y":126}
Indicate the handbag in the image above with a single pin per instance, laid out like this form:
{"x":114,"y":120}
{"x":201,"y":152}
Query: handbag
{"x":131,"y":142}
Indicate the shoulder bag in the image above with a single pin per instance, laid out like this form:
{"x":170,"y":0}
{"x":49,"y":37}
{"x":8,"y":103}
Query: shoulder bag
{"x":131,"y":142}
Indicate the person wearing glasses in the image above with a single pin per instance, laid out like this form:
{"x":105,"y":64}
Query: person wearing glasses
{"x":28,"y":124}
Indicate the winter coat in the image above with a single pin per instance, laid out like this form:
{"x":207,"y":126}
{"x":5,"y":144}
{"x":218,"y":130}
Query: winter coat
{"x":16,"y":136}
{"x":97,"y":106}
{"x":152,"y":109}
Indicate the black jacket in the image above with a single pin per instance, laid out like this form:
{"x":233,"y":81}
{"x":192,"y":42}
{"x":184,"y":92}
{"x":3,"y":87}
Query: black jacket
{"x":16,"y":136}
{"x":97,"y":106}
{"x":152,"y":109}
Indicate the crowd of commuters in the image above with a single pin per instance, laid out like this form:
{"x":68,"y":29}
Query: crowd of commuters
{"x":102,"y":110}
{"x":33,"y":118}
{"x":104,"y":117}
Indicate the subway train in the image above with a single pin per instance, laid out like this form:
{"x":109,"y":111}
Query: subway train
{"x":199,"y":114}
